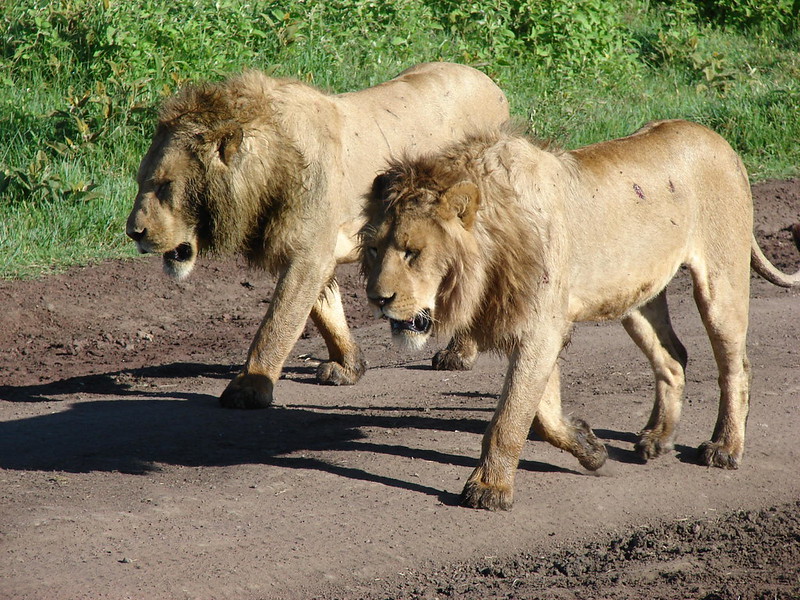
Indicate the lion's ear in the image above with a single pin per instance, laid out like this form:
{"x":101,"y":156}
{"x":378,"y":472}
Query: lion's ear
{"x":229,"y":143}
{"x":462,"y":201}
{"x":225,"y":139}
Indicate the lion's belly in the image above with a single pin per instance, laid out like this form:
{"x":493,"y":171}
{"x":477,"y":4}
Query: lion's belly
{"x":627,"y":243}
{"x":609,"y":294}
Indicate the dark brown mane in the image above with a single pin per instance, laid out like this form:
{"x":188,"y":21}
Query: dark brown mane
{"x":419,"y":181}
{"x":237,"y":206}
{"x":207,"y":104}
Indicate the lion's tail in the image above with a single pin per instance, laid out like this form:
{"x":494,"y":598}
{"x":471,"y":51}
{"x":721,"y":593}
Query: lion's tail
{"x":770,"y":272}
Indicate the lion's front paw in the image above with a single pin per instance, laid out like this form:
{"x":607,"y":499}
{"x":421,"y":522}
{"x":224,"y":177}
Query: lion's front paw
{"x":714,"y":454}
{"x":247,"y":391}
{"x":335,"y":373}
{"x":477,"y":494}
{"x":652,"y":445}
{"x":450,"y":360}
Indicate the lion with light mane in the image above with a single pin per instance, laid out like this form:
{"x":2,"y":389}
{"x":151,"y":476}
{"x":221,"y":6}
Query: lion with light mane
{"x":508,"y":244}
{"x":277,"y":171}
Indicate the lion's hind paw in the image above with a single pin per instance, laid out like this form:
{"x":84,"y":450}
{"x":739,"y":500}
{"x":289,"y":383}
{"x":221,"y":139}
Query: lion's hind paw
{"x":450,"y":360}
{"x":589,"y":450}
{"x":334,"y":373}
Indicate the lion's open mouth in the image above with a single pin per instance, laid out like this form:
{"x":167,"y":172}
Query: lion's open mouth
{"x":419,"y":324}
{"x":182,"y":253}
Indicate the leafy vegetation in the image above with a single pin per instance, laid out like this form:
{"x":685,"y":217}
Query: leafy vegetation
{"x":81,"y":80}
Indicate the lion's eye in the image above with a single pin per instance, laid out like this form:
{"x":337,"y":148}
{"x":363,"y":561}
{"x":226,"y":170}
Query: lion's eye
{"x":410,"y":255}
{"x":162,"y":189}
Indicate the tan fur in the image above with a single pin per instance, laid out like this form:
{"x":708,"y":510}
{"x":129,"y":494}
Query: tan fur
{"x":507,"y":245}
{"x":277,"y":171}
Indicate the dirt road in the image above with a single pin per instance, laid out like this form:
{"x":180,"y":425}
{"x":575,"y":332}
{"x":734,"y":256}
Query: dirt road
{"x":120,"y":476}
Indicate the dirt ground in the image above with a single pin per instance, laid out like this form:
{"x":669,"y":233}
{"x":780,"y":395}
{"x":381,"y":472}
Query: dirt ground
{"x":121,"y":477}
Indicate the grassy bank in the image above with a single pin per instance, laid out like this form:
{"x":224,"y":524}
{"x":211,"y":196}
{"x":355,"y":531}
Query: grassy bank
{"x":80,"y":81}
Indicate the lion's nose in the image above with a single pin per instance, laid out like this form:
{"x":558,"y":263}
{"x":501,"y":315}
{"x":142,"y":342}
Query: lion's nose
{"x":382,"y":301}
{"x":135,"y":234}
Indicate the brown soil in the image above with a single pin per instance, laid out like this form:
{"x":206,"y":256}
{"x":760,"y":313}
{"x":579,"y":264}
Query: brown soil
{"x":120,"y":476}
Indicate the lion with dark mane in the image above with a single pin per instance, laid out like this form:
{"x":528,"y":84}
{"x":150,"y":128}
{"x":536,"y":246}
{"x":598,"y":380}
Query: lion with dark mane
{"x":508,"y":244}
{"x":277,"y":171}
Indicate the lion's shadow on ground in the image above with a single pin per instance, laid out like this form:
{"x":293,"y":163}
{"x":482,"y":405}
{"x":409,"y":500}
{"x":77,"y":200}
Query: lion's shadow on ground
{"x":686,"y":454}
{"x":136,"y":430}
{"x":117,"y":383}
{"x":142,"y":427}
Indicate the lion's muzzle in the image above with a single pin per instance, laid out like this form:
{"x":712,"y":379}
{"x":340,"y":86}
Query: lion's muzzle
{"x":179,"y":261}
{"x":135,"y":234}
{"x":138,"y":236}
{"x":421,"y":323}
{"x":184,"y":252}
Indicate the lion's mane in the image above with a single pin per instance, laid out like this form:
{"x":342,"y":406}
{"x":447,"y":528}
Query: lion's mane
{"x":489,"y":280}
{"x":232,"y":208}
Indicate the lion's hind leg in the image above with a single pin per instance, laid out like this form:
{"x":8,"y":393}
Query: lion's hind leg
{"x":567,"y":433}
{"x":346,"y":363}
{"x":725,"y":315}
{"x":650,"y":327}
{"x":459,"y":355}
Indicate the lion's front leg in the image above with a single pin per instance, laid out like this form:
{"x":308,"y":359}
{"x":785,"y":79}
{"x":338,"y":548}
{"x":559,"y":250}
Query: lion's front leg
{"x":490,"y":488}
{"x":297,"y":290}
{"x":459,"y":355}
{"x":346,"y":363}
{"x":491,"y":484}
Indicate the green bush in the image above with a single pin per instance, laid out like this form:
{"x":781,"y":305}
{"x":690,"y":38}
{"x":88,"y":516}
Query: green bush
{"x":561,"y":34}
{"x":748,"y":14}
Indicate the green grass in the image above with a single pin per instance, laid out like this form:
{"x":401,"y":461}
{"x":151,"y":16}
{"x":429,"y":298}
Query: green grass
{"x":80,"y":82}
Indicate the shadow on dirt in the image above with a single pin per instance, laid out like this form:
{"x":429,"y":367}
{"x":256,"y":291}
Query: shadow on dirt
{"x":686,"y":454}
{"x":136,"y":430}
{"x":117,"y":383}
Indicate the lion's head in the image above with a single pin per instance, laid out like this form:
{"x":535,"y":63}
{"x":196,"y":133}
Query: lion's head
{"x":417,"y":244}
{"x":205,"y":181}
{"x":447,"y":247}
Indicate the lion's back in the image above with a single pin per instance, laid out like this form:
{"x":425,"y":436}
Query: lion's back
{"x":420,"y":111}
{"x":437,"y":102}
